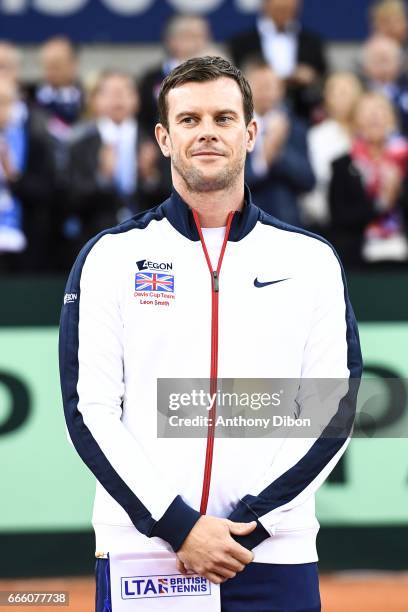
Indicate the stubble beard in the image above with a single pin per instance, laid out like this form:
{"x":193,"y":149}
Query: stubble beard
{"x":197,"y":182}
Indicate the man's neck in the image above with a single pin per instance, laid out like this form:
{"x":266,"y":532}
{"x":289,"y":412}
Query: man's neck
{"x":212,"y":207}
{"x":117,"y":122}
{"x":279,"y":26}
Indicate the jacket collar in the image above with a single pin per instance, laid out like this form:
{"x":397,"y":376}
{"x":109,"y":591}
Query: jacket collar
{"x":179,"y":214}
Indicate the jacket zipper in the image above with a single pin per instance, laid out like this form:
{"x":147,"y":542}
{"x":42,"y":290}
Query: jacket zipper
{"x":215,"y":288}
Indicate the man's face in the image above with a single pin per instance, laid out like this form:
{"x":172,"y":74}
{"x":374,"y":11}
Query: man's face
{"x":59,"y":65}
{"x":267,"y":89}
{"x":189,"y":38}
{"x":383,"y":60}
{"x":207,"y":139}
{"x":116,"y":99}
{"x":9,"y":63}
{"x":393,"y":24}
{"x":282,"y":12}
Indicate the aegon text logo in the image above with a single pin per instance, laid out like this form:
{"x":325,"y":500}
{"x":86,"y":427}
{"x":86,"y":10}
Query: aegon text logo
{"x":145,"y":264}
{"x":70,"y":297}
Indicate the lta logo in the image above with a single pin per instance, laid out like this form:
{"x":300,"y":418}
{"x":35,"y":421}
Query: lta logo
{"x":172,"y":585}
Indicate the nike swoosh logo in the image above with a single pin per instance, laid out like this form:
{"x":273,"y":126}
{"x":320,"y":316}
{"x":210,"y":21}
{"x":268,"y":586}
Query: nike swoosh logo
{"x":257,"y":283}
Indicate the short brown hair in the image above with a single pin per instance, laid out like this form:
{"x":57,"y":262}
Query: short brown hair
{"x":199,"y":70}
{"x":113,"y":74}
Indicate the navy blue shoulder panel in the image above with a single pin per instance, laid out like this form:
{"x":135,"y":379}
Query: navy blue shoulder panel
{"x":290,"y":484}
{"x":81,"y":437}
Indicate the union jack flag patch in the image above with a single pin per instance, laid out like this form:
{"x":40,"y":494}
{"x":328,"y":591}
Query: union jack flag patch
{"x":152,"y":281}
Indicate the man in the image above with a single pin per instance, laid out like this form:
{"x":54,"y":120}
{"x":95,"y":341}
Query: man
{"x":112,"y":172}
{"x":382,"y":71}
{"x":389,"y":18}
{"x":60,"y":93}
{"x":28,"y":215}
{"x":239,"y":512}
{"x":294,"y":53}
{"x":10,"y":69}
{"x":278,"y":171}
{"x":10,"y":61}
{"x":185,"y":36}
{"x":27,"y":184}
{"x":60,"y":99}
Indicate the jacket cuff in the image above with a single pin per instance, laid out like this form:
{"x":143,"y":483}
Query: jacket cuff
{"x":176,"y":523}
{"x":243,"y":513}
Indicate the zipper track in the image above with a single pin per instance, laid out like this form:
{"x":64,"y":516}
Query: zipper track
{"x":214,"y":355}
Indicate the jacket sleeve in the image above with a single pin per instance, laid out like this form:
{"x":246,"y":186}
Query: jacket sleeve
{"x":92,"y":383}
{"x":332,"y":351}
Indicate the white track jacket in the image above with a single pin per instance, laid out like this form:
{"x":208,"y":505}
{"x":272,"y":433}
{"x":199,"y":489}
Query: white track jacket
{"x":142,"y":302}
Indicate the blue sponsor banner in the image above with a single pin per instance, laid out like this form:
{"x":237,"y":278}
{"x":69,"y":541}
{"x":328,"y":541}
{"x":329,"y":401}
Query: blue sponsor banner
{"x":87,"y":21}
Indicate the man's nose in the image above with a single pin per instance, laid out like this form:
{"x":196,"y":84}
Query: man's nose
{"x":208,"y":137}
{"x":208,"y":131}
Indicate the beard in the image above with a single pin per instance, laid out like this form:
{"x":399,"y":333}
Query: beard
{"x":197,"y":181}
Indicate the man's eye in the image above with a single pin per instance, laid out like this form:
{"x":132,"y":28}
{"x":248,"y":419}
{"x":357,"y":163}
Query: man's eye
{"x":187,"y":120}
{"x":224,"y":119}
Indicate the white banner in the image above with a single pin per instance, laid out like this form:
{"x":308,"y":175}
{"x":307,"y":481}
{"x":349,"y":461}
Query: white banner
{"x":151,"y":582}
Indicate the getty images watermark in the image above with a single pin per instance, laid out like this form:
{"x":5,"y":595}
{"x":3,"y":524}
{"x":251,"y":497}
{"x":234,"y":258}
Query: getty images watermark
{"x":303,"y":408}
{"x":208,"y":401}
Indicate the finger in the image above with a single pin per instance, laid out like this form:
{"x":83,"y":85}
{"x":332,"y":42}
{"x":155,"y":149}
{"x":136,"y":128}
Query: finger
{"x":241,"y":554}
{"x":241,"y":528}
{"x":232,"y":564}
{"x":224,"y":572}
{"x":215,"y":578}
{"x":180,"y":567}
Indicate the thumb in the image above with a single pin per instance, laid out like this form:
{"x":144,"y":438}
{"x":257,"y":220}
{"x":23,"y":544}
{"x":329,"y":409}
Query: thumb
{"x":180,"y":566}
{"x":241,"y":528}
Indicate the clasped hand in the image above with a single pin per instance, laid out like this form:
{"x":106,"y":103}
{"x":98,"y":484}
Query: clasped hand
{"x":209,"y":549}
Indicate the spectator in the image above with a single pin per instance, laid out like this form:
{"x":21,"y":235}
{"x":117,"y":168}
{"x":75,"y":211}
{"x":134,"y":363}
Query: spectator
{"x":293,"y":52}
{"x":60,"y":97}
{"x":368,"y":193}
{"x":60,"y":93}
{"x":278,"y":170}
{"x":382,"y":72}
{"x":389,"y":18}
{"x":10,"y":69}
{"x":327,"y":141}
{"x":26,"y":188}
{"x":10,"y":62}
{"x":185,"y":36}
{"x":114,"y":171}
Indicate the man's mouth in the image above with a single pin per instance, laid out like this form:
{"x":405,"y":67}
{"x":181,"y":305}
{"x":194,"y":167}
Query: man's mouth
{"x":207,"y":154}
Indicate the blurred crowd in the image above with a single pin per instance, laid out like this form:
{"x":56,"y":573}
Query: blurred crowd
{"x":78,"y":156}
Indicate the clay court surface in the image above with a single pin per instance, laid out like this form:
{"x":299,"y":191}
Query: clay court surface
{"x":340,"y":592}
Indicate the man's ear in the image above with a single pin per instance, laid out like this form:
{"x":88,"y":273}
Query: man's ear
{"x":252,"y":130}
{"x":163,"y":139}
